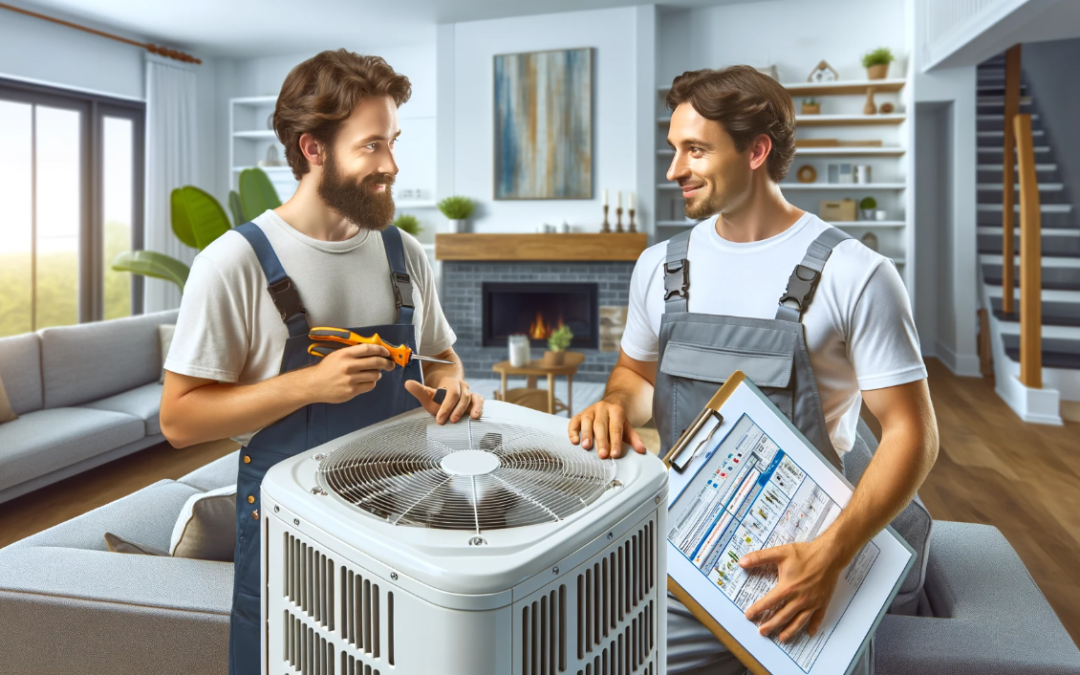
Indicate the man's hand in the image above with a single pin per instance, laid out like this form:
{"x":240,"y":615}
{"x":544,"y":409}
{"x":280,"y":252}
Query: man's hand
{"x":607,"y":423}
{"x":459,"y":399}
{"x":807,"y":575}
{"x":346,"y":373}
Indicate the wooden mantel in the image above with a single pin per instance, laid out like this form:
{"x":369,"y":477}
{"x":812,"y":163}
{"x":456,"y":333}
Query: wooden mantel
{"x":575,"y":247}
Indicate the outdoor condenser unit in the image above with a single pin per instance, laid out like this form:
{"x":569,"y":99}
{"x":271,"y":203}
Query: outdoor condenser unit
{"x":488,"y":547}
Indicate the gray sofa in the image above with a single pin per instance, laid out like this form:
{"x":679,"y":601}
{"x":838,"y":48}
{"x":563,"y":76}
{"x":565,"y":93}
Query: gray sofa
{"x":85,"y":395}
{"x":69,"y":606}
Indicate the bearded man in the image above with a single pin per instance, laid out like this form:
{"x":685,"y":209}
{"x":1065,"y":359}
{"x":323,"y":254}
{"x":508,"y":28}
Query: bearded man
{"x":238,"y":365}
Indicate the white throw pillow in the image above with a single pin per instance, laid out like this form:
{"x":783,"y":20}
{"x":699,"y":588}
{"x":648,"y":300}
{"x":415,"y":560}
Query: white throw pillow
{"x":165,"y":335}
{"x":206,"y":528}
{"x":6,"y":413}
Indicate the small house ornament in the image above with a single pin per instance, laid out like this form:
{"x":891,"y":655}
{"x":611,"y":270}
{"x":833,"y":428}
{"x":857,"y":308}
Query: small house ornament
{"x":823,"y":73}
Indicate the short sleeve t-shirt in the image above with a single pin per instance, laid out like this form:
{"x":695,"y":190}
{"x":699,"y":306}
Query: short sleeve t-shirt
{"x":229,"y":330}
{"x":859,"y":328}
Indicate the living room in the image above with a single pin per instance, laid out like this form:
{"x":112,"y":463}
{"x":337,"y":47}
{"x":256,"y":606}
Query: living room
{"x":136,"y":136}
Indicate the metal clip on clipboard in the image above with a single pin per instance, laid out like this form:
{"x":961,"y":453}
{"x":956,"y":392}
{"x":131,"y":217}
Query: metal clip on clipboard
{"x":678,"y":457}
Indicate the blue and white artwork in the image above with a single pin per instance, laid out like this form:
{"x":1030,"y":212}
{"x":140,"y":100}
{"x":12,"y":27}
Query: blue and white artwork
{"x":543,"y":125}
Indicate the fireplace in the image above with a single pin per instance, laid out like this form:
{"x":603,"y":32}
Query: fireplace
{"x":537,"y":309}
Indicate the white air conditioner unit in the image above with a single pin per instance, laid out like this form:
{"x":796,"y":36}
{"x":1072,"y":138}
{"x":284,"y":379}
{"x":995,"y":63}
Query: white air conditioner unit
{"x":490,"y":547}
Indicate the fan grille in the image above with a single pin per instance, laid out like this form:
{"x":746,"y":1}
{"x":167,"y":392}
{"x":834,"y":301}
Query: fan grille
{"x":475,"y":475}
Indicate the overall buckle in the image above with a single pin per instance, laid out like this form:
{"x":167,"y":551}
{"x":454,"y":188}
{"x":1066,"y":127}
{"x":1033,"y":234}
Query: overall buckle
{"x":676,"y":285}
{"x":286,"y":298}
{"x":402,"y":290}
{"x":801,"y":287}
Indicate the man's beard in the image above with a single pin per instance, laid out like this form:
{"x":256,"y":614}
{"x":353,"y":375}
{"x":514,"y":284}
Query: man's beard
{"x":704,"y":206}
{"x":360,"y":204}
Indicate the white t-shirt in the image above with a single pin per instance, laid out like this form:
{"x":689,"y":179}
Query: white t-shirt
{"x":229,"y":330}
{"x":859,"y":329}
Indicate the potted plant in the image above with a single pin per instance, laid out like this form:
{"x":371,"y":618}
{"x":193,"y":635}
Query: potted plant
{"x":558,"y":342}
{"x":810,"y":106}
{"x":877,"y":63}
{"x":867,"y":205}
{"x":408,"y":223}
{"x":457,"y":209}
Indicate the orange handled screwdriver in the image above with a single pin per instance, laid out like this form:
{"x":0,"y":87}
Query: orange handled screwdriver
{"x":401,"y":355}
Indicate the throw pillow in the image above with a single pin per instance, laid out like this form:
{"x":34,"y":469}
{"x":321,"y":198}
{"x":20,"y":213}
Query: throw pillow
{"x":165,"y":335}
{"x":118,"y":545}
{"x":206,"y":528}
{"x":6,"y":413}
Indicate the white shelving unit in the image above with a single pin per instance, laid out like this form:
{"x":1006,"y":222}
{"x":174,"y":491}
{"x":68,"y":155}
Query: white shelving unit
{"x":842,"y":119}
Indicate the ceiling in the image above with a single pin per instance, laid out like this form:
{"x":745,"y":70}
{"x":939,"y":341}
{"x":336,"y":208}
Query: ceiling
{"x":249,"y":28}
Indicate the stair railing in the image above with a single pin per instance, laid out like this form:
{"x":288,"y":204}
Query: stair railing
{"x":1012,"y":108}
{"x":1030,"y":257}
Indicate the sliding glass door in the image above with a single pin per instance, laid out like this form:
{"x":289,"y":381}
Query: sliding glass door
{"x":71,"y":181}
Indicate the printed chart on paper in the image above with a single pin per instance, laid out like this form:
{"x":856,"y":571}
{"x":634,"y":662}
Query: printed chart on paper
{"x":755,"y":496}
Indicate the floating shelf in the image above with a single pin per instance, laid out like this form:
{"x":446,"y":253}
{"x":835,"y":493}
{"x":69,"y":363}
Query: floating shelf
{"x":843,"y":186}
{"x":415,"y":203}
{"x":255,"y":100}
{"x":845,"y":120}
{"x":257,"y":133}
{"x":843,"y":88}
{"x":844,"y":151}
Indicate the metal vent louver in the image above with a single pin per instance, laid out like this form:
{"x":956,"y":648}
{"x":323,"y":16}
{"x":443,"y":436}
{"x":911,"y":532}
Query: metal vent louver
{"x":476,"y":475}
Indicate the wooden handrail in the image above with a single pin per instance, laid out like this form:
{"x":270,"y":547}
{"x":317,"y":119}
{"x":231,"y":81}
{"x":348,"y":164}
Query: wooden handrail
{"x":1030,"y":257}
{"x":1012,"y":107}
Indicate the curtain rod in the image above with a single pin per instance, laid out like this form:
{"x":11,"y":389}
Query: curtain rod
{"x":152,"y":48}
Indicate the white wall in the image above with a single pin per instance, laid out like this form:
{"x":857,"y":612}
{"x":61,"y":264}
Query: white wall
{"x":616,"y":86}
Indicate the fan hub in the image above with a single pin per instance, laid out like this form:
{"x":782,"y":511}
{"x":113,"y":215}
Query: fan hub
{"x":470,"y":462}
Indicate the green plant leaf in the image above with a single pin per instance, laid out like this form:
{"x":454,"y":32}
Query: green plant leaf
{"x":152,"y":264}
{"x":197,"y":218}
{"x":257,"y":193}
{"x":236,"y":208}
{"x":408,"y":223}
{"x":456,"y":207}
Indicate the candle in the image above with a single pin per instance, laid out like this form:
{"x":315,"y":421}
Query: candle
{"x":631,"y":200}
{"x":605,"y":196}
{"x":619,"y":203}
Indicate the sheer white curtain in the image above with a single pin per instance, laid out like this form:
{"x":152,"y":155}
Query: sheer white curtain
{"x":170,"y":163}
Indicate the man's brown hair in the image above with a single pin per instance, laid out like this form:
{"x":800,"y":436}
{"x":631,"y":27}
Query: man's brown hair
{"x":747,"y":104}
{"x":323,"y":91}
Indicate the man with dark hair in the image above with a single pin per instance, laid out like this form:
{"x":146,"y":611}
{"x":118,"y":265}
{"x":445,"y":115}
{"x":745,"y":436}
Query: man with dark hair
{"x":238,"y":366}
{"x":705,"y":303}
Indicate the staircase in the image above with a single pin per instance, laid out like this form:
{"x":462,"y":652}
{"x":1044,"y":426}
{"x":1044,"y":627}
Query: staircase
{"x":1060,"y":255}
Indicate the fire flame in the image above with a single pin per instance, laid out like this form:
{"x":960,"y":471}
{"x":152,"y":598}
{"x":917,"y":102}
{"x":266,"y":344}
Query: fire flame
{"x":540,"y":329}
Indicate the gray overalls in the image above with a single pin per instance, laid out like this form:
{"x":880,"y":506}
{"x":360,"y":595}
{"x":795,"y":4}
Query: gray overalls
{"x":697,"y":353}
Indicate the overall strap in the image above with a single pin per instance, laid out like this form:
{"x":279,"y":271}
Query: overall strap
{"x":677,"y":273}
{"x":399,"y":274}
{"x":804,"y":278}
{"x":282,"y":291}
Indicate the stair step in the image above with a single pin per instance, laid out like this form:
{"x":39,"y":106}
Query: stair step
{"x":1000,"y":149}
{"x":1053,"y":313}
{"x":999,"y":167}
{"x":1051,"y":358}
{"x":1058,"y":279}
{"x":1046,"y":231}
{"x":1043,"y":187}
{"x":1071,"y":263}
{"x":999,"y":100}
{"x":1048,"y":294}
{"x":1001,"y":134}
{"x":1045,"y":208}
{"x":1000,"y":118}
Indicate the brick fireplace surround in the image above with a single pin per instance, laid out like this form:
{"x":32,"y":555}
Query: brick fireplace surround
{"x":469,"y":260}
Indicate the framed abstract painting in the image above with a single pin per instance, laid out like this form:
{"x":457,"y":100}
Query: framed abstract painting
{"x":543,"y":125}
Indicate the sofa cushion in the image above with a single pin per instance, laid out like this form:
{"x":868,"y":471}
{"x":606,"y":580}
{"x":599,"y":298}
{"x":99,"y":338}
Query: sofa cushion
{"x":206,"y":527}
{"x":20,"y":368}
{"x":143,"y":402}
{"x":43,"y":441}
{"x":216,"y":474}
{"x":90,"y":361}
{"x":146,"y":516}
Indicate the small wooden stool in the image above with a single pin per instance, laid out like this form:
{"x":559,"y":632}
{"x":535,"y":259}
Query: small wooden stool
{"x":529,"y":395}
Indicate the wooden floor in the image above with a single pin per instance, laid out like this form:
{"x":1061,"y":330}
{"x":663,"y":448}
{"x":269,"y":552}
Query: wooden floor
{"x":1022,"y":478}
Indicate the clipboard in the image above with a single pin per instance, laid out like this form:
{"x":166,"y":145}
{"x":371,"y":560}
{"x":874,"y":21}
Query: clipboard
{"x":740,"y":416}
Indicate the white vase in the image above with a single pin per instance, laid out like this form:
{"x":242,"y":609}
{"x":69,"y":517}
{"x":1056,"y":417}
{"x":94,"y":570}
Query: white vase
{"x":457,"y":225}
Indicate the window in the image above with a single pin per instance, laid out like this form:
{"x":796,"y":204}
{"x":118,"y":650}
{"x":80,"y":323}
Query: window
{"x":71,"y":180}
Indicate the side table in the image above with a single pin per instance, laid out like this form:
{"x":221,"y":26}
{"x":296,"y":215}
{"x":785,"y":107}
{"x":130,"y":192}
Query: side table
{"x":535,"y":369}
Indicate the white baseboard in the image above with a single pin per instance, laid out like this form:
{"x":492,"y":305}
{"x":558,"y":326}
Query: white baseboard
{"x":1038,"y":406}
{"x":961,"y":365}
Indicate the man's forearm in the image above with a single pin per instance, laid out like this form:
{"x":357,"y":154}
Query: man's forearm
{"x":903,"y":459}
{"x":216,"y":411}
{"x":434,"y":373}
{"x":632,"y":392}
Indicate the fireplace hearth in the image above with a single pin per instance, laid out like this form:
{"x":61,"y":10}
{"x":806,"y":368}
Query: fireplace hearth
{"x":536,"y":309}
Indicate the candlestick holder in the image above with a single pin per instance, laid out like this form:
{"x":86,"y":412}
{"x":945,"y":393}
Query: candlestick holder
{"x":631,"y":228}
{"x":607,"y":227}
{"x":618,"y":219}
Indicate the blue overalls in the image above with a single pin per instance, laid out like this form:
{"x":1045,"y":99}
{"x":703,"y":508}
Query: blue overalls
{"x":305,"y":428}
